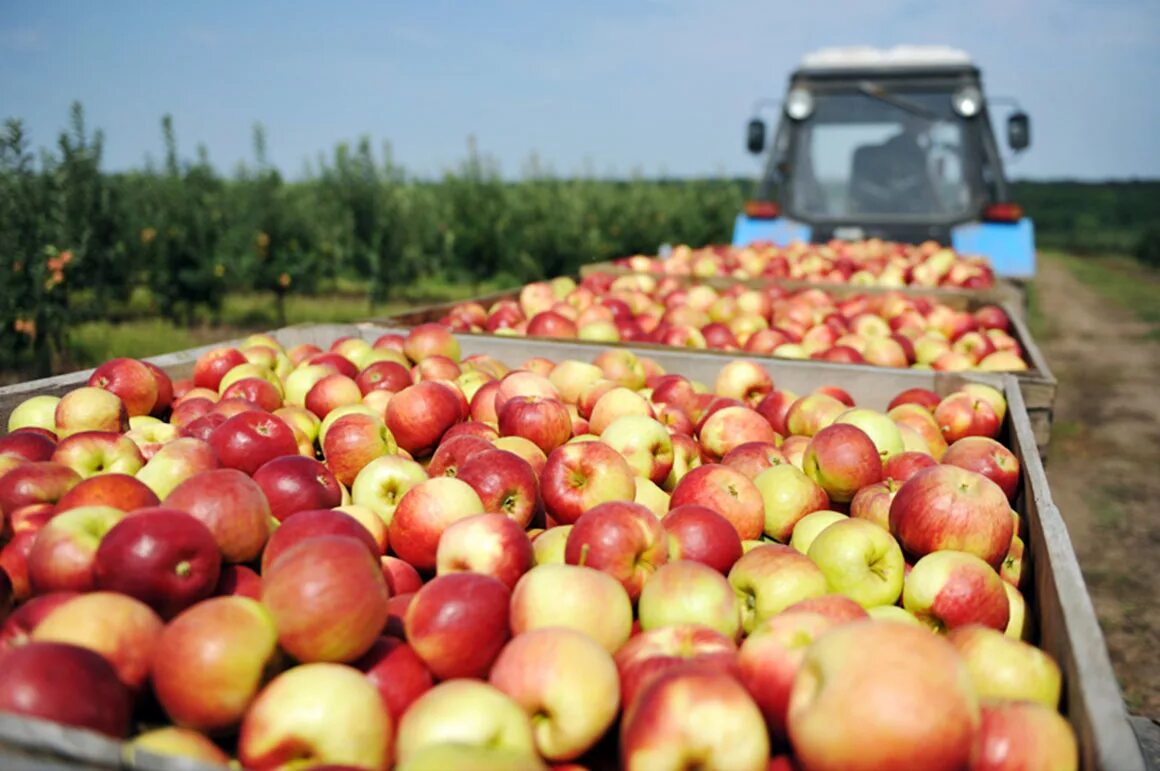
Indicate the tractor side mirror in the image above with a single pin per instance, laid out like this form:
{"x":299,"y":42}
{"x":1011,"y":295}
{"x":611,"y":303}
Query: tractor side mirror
{"x":1019,"y":131}
{"x":755,"y":136}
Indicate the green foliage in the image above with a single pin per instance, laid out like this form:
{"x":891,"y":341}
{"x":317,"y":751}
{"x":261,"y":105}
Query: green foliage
{"x":1091,"y":217}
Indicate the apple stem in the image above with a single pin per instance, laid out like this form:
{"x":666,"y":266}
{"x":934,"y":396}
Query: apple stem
{"x":183,"y":569}
{"x":583,"y":555}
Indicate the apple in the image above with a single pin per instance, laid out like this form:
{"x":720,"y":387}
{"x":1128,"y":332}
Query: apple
{"x":34,"y":412}
{"x":326,"y":712}
{"x":989,"y":394}
{"x":581,"y":598}
{"x":775,"y":407}
{"x":566,"y":681}
{"x":961,"y":414}
{"x":727,"y":492}
{"x":622,"y":366}
{"x":700,"y":534}
{"x":645,"y":444}
{"x":769,"y":660}
{"x":949,"y":589}
{"x":751,"y":458}
{"x":419,"y":415}
{"x":383,"y":482}
{"x":1012,"y":569}
{"x":310,"y":523}
{"x":811,"y":413}
{"x":901,"y":685}
{"x":542,"y":421}
{"x":923,"y":397}
{"x":238,"y":580}
{"x":122,"y":629}
{"x":16,"y":629}
{"x":837,"y":607}
{"x":578,"y":477}
{"x":294,"y":483}
{"x":35,"y":482}
{"x":687,"y":592}
{"x":328,"y":598}
{"x":903,"y":466}
{"x":424,"y":512}
{"x":212,"y":365}
{"x":876,"y":425}
{"x":842,"y":459}
{"x":467,"y":714}
{"x":458,"y":624}
{"x":912,"y":416}
{"x":616,"y":403}
{"x":548,"y":545}
{"x":89,"y":408}
{"x":427,"y":340}
{"x":787,"y":496}
{"x":353,"y":441}
{"x":1023,"y":734}
{"x":647,"y":654}
{"x":130,"y":380}
{"x":42,"y":680}
{"x":872,"y":502}
{"x":732,"y":426}
{"x":623,"y":539}
{"x":231,"y":505}
{"x":1002,"y":667}
{"x":811,"y":525}
{"x":489,"y":544}
{"x":771,"y":577}
{"x":946,"y":507}
{"x":744,"y":380}
{"x":121,"y":491}
{"x":172,"y":741}
{"x":28,"y":444}
{"x":861,"y":561}
{"x":164,"y":557}
{"x":988,"y":457}
{"x":63,"y":553}
{"x":724,"y":730}
{"x":211,"y":661}
{"x":453,"y":452}
{"x":399,"y":674}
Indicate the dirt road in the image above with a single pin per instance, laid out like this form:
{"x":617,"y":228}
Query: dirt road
{"x":1104,"y":466}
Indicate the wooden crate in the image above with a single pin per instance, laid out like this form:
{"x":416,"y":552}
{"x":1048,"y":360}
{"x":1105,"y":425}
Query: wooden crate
{"x":1057,"y":596}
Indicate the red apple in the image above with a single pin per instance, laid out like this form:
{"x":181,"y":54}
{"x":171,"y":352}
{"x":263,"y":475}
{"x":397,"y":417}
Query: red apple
{"x":837,"y":607}
{"x":726,"y":491}
{"x":621,"y":538}
{"x":397,"y":672}
{"x":231,"y":505}
{"x":121,"y":491}
{"x":238,"y":580}
{"x":988,"y":457}
{"x":950,"y":589}
{"x":505,"y":483}
{"x":250,"y":439}
{"x":577,"y":477}
{"x":65,"y":549}
{"x":458,"y":624}
{"x":419,"y":415}
{"x":904,"y":465}
{"x":131,"y":381}
{"x":453,"y":452}
{"x":842,"y":459}
{"x":401,"y":576}
{"x":488,"y":544}
{"x":311,"y":523}
{"x":1021,"y":734}
{"x":701,"y":534}
{"x":16,"y":629}
{"x":961,"y":414}
{"x":294,"y":483}
{"x":28,"y":444}
{"x":35,"y":482}
{"x":651,"y":653}
{"x":424,"y":512}
{"x":212,"y":365}
{"x":430,"y":340}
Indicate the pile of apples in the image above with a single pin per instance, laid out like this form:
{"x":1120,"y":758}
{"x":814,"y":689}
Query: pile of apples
{"x":869,"y":262}
{"x":389,"y":554}
{"x":889,"y":329}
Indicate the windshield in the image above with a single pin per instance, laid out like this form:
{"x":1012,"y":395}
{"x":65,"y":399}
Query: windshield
{"x":865,"y":156}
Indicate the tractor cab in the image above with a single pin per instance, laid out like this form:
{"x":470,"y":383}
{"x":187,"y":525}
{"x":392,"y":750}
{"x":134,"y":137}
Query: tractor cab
{"x":893,"y":144}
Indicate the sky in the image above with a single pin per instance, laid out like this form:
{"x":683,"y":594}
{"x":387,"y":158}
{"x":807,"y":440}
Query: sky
{"x":604,"y":87}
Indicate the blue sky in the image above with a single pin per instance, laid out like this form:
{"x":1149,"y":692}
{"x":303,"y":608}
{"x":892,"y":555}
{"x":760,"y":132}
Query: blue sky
{"x":605,"y":87}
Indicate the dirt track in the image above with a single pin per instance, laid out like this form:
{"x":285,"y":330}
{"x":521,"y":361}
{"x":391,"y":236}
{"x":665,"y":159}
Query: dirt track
{"x":1104,"y":467}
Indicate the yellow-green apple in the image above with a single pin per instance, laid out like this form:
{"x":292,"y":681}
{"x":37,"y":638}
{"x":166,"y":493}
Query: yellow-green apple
{"x":580,"y":598}
{"x":1002,"y":361}
{"x":458,"y":623}
{"x":211,"y":660}
{"x":769,"y":660}
{"x":548,"y":546}
{"x":299,"y":382}
{"x":872,"y":502}
{"x":812,"y":524}
{"x":724,"y":730}
{"x":397,"y":672}
{"x":947,"y":507}
{"x":150,"y":434}
{"x":906,"y":464}
{"x":592,"y":393}
{"x":462,"y":755}
{"x":732,"y":426}
{"x":811,"y":413}
{"x":311,"y":523}
{"x":571,"y":377}
{"x":294,"y":483}
{"x":882,"y":694}
{"x":63,"y":553}
{"x":876,"y":425}
{"x":989,"y":394}
{"x":120,"y":628}
{"x":328,"y":598}
{"x":775,"y":407}
{"x":885,"y":352}
{"x":464,"y":713}
{"x":1002,"y":667}
{"x":35,"y":482}
{"x":687,"y":592}
{"x":490,"y":544}
{"x":383,"y":482}
{"x":948,"y":589}
{"x":744,"y":380}
{"x":686,"y":457}
{"x":98,"y":452}
{"x":701,"y":534}
{"x":130,"y":380}
{"x":175,"y":742}
{"x":353,"y":441}
{"x":988,"y":457}
{"x":726,"y":491}
{"x":622,"y":366}
{"x":248,"y":440}
{"x":842,"y":459}
{"x":329,"y":713}
{"x":623,"y":539}
{"x":650,"y":653}
{"x":427,"y":340}
{"x":837,"y":607}
{"x":578,"y":477}
{"x":921,"y":420}
{"x":43,"y":680}
{"x":644,"y":443}
{"x":370,"y":522}
{"x":34,"y":412}
{"x":544,"y":422}
{"x":617,"y":402}
{"x":961,"y":414}
{"x":231,"y":505}
{"x":894,"y":613}
{"x":652,"y":497}
{"x":1023,"y":734}
{"x":770,"y":578}
{"x":164,"y":557}
{"x":1018,"y":625}
{"x":419,"y":415}
{"x":914,"y":443}
{"x":861,"y":561}
{"x":787,"y":495}
{"x":751,"y":458}
{"x":424,"y":512}
{"x":566,"y":681}
{"x":1011,"y":570}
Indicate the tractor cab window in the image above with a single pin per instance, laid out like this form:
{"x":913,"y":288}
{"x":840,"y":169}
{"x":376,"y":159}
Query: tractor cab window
{"x":860,"y":155}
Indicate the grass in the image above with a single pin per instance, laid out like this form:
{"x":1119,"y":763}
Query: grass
{"x":1123,"y":280}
